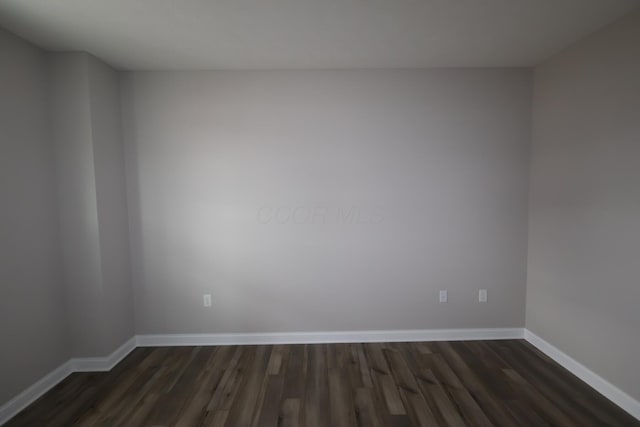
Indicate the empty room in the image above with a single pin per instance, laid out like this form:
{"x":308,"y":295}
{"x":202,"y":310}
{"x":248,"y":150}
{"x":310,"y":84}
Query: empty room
{"x":320,"y":213}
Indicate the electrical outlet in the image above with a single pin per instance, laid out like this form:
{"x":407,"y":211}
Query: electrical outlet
{"x":482,"y":295}
{"x":443,"y":296}
{"x":206,"y":300}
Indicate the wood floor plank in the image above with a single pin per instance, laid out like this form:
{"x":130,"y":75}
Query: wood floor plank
{"x":445,"y":406}
{"x":480,"y":391}
{"x":316,"y":403}
{"x":149,"y":374}
{"x":575,"y":390}
{"x":239,"y":376}
{"x":437,"y":370}
{"x":534,"y":376}
{"x":195,"y":411}
{"x":294,"y":373}
{"x":418,"y":410}
{"x":383,"y":380}
{"x":170,"y":406}
{"x":290,"y":413}
{"x":525,"y":415}
{"x":270,"y":409}
{"x":454,"y":384}
{"x":367,"y":412}
{"x":541,"y":405}
{"x":275,"y":360}
{"x":224,"y":386}
{"x":341,"y":398}
{"x":262,"y":394}
{"x":363,"y":364}
{"x":218,"y":419}
{"x":242,"y":411}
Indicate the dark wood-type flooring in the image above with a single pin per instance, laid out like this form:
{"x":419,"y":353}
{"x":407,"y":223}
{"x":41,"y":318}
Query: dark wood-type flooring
{"x":472,"y":383}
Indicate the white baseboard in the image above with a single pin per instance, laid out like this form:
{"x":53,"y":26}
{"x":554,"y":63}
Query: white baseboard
{"x":102,"y":364}
{"x":329,"y":337}
{"x":598,"y":383}
{"x":85,"y":364}
{"x":89,"y":364}
{"x":94,"y":364}
{"x":28,"y":396}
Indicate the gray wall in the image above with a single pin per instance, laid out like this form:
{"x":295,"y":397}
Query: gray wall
{"x":584,"y":235}
{"x":64,"y":239}
{"x":71,"y":118}
{"x":92,"y":202}
{"x":32,"y":298}
{"x":113,"y":225}
{"x":327,"y":200}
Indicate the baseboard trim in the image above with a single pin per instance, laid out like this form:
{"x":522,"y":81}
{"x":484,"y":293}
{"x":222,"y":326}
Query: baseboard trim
{"x":89,"y":364}
{"x":102,"y":364}
{"x":602,"y":386}
{"x":33,"y":392}
{"x":329,"y":337}
{"x":46,"y":383}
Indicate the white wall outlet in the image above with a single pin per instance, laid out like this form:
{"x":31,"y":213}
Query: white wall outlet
{"x":482,"y":295}
{"x":443,"y":296}
{"x":206,"y":300}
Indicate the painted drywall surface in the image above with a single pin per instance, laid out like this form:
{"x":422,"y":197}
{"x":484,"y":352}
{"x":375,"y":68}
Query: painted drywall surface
{"x":71,"y":124}
{"x":583,"y":283}
{"x":88,"y":145}
{"x":32,"y":304}
{"x":327,"y":200}
{"x":111,"y":201}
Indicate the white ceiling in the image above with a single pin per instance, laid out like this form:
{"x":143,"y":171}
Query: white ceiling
{"x":265,"y":34}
